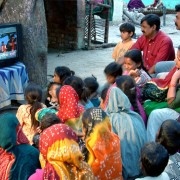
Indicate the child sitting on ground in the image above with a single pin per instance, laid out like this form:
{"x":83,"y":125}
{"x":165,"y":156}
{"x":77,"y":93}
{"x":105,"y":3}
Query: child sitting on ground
{"x":52,"y":99}
{"x":127,"y":31}
{"x":169,"y":137}
{"x":128,"y":86}
{"x":154,"y":158}
{"x":92,"y":84}
{"x":26,"y":112}
{"x":133,"y":64}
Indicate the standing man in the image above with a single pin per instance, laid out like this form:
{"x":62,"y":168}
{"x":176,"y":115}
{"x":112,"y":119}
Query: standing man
{"x":155,"y":44}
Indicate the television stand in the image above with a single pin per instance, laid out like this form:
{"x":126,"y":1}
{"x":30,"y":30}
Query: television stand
{"x":13,"y":80}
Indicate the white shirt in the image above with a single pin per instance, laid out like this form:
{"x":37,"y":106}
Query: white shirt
{"x":162,"y":176}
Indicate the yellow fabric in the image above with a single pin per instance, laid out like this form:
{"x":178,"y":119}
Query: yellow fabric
{"x":120,"y":49}
{"x":66,"y":158}
{"x":104,"y":152}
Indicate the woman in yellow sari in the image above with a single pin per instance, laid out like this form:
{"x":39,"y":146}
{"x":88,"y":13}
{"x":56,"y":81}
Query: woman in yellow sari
{"x":103,"y":146}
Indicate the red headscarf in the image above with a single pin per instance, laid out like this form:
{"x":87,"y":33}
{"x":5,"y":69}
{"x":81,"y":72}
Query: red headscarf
{"x":69,"y":107}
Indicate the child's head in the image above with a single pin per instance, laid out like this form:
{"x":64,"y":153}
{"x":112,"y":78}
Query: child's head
{"x":133,"y":60}
{"x":169,"y":136}
{"x":61,"y":73}
{"x":78,"y":85}
{"x":111,"y":71}
{"x":177,"y":59}
{"x":128,"y":85}
{"x":51,"y":90}
{"x":127,"y":31}
{"x":48,"y":120}
{"x":33,"y":93}
{"x":35,"y":140}
{"x":91,"y":83}
{"x":154,"y":159}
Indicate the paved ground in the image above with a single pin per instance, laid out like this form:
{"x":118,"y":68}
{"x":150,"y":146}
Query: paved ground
{"x":88,"y":62}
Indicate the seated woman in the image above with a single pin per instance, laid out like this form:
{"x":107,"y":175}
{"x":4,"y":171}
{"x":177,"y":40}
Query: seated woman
{"x":69,"y":109}
{"x":130,"y":128}
{"x":135,"y":4}
{"x":18,"y":160}
{"x":103,"y":146}
{"x":60,"y":155}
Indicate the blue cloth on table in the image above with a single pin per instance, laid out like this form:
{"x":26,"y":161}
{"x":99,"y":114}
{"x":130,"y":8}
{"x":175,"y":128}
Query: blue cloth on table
{"x":13,"y":80}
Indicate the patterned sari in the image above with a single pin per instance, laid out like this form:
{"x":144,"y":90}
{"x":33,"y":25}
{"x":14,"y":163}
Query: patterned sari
{"x":60,"y":155}
{"x":104,"y":155}
{"x":18,"y":160}
{"x":130,"y":128}
{"x":69,"y":109}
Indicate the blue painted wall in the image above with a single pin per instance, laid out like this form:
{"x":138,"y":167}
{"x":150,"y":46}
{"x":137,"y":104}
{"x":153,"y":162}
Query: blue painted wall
{"x":168,"y":3}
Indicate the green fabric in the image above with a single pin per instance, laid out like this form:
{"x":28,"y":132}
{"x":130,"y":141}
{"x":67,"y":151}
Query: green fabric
{"x":26,"y":156}
{"x":43,"y":111}
{"x":149,"y":106}
{"x":176,"y":103}
{"x":101,"y":11}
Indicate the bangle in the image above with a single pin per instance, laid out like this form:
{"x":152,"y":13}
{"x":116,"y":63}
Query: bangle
{"x":172,"y":85}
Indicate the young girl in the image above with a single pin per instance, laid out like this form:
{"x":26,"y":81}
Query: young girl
{"x":128,"y":86}
{"x":92,"y":85}
{"x":133,"y":64}
{"x":61,"y":73}
{"x":52,"y":99}
{"x":26,"y":113}
{"x":111,"y":71}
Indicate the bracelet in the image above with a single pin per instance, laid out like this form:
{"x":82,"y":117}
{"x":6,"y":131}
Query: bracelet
{"x":172,"y":85}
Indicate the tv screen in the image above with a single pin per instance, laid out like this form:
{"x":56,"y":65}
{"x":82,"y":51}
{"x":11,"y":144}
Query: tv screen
{"x":10,"y":44}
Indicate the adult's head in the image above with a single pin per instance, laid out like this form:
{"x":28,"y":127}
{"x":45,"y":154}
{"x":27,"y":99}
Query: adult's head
{"x":154,"y":159}
{"x":150,"y":24}
{"x":177,"y":20}
{"x":169,"y":135}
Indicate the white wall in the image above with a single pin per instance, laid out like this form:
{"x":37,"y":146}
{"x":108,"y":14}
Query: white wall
{"x":118,"y":11}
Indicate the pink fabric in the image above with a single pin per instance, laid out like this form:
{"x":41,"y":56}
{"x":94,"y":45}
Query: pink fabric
{"x":38,"y":175}
{"x":159,"y":48}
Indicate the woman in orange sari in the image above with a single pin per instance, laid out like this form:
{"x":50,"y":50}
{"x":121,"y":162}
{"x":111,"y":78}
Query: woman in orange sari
{"x":103,"y":146}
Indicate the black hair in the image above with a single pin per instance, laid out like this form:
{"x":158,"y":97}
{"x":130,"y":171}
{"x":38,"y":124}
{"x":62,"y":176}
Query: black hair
{"x":57,"y":93}
{"x":128,"y":85}
{"x":78,"y":85}
{"x":33,"y":95}
{"x":91,"y":83}
{"x":179,"y":47}
{"x":152,"y":19}
{"x":35,"y":140}
{"x":136,"y":56}
{"x":177,"y":8}
{"x":113,"y":69}
{"x":63,"y":72}
{"x":169,"y":136}
{"x":49,"y":88}
{"x":48,"y":120}
{"x":104,"y":92}
{"x":154,"y":159}
{"x":127,"y":27}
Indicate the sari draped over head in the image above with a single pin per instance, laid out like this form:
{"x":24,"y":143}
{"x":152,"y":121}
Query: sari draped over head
{"x":104,"y":155}
{"x":69,"y":109}
{"x":60,"y":155}
{"x":18,"y":160}
{"x":129,"y":126}
{"x":135,"y":4}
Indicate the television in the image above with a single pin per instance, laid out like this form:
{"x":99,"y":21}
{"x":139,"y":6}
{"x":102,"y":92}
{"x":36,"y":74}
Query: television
{"x":10,"y":44}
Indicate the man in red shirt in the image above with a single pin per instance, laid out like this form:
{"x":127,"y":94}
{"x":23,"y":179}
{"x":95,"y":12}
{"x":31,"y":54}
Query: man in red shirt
{"x":155,"y":44}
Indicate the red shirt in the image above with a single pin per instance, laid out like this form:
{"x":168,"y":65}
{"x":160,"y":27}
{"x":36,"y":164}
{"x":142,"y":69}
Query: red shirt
{"x":159,"y":48}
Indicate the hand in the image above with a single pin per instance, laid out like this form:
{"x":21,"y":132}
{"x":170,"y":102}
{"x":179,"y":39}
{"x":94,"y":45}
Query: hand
{"x":134,"y":73}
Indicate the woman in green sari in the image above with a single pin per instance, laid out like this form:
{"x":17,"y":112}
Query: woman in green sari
{"x":18,"y":160}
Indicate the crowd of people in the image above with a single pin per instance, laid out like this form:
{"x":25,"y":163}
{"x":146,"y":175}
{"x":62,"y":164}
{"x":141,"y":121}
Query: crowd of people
{"x":128,"y":130}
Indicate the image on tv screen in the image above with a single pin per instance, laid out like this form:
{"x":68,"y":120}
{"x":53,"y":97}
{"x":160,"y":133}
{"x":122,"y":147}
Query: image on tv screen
{"x":8,"y":43}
